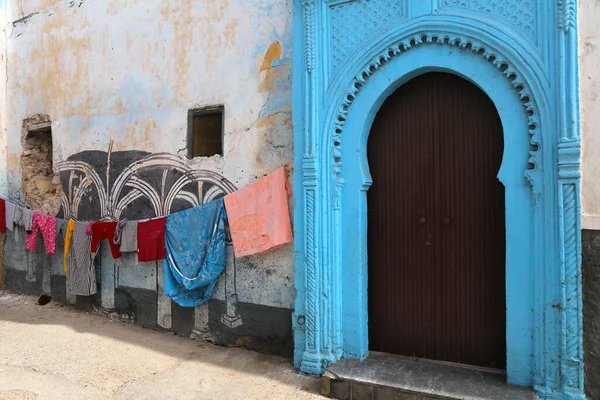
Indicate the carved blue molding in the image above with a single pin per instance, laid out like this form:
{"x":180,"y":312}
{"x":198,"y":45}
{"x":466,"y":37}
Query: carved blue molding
{"x":569,"y":176}
{"x":351,"y":54}
{"x":308,"y":16}
{"x":567,"y":15}
{"x":461,"y":42}
{"x":347,"y":36}
{"x":521,"y":14}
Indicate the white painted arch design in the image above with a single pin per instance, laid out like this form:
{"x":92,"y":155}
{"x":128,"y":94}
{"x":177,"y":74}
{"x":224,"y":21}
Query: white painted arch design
{"x":113,"y":202}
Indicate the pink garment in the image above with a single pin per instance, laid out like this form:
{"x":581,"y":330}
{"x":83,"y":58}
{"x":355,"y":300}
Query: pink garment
{"x":47,"y":226}
{"x":89,"y":228}
{"x":259,"y":216}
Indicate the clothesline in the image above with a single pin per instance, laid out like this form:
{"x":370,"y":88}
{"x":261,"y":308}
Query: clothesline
{"x":19,"y":204}
{"x":191,"y":242}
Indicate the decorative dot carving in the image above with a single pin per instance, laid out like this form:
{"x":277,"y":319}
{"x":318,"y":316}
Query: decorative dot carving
{"x":347,"y":35}
{"x":520,"y":13}
{"x":567,"y":14}
{"x":440,"y":38}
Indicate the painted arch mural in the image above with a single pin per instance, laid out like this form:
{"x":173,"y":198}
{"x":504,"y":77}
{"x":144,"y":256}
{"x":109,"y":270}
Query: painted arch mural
{"x":113,"y":185}
{"x":523,"y":55}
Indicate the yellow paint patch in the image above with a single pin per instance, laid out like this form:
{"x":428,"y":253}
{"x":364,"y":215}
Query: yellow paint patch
{"x":272,"y":77}
{"x":269,"y":120}
{"x":274,"y":53}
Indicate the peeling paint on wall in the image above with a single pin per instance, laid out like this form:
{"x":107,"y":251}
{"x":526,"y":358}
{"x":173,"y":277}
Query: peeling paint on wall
{"x":273,"y":54}
{"x":110,"y":87}
{"x":40,"y":186}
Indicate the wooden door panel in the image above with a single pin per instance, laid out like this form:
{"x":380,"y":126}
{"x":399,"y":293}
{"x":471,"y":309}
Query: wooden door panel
{"x":436,"y":239}
{"x":471,"y":226}
{"x":400,"y":225}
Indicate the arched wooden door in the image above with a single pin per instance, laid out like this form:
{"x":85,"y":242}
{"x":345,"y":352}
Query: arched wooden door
{"x":436,"y":234}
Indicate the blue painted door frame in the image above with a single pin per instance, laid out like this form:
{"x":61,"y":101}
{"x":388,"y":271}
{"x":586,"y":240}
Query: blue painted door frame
{"x":349,"y":56}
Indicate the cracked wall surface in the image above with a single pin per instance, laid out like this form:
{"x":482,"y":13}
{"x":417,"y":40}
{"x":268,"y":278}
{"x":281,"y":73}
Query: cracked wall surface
{"x":589,"y":59}
{"x":589,"y":81}
{"x":117,"y":80}
{"x":40,"y":185}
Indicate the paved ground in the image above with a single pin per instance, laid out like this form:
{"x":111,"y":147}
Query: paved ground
{"x":57,"y":352}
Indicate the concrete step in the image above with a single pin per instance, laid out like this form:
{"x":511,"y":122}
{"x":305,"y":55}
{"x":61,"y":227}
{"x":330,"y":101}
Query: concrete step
{"x":390,"y":377}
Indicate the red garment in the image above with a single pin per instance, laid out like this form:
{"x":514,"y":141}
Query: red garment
{"x":105,"y":230}
{"x":46,"y":225}
{"x":2,"y":216}
{"x":151,"y":240}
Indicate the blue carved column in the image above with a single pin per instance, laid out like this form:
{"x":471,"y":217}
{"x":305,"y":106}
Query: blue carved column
{"x":312,"y":358}
{"x":321,"y":251}
{"x":569,"y":181}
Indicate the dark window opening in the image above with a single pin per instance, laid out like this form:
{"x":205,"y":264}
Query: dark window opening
{"x":205,"y":132}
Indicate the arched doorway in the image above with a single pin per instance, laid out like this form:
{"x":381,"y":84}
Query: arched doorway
{"x":436,"y":224}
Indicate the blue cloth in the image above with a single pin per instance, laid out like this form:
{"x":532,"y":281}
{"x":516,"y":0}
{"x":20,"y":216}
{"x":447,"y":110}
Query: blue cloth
{"x":195,"y":242}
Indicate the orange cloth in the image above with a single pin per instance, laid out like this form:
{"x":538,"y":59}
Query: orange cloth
{"x":68,"y":236}
{"x":259,"y":216}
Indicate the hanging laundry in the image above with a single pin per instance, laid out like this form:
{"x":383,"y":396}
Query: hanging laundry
{"x":195,"y":242}
{"x":9,"y":212}
{"x":24,"y":218}
{"x":2,"y":216}
{"x":81,"y":279}
{"x":105,"y":230}
{"x":259,"y":216}
{"x":151,"y":240}
{"x":116,"y":241}
{"x":129,"y":237}
{"x":118,"y":231}
{"x":46,"y":225}
{"x":68,"y":237}
{"x":61,"y":227}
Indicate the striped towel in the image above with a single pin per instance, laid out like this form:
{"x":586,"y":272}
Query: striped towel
{"x":81,"y":279}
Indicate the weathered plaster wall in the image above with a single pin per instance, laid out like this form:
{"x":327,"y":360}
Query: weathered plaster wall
{"x":3,"y":176}
{"x":40,"y":184}
{"x":129,"y":73}
{"x":117,"y":80}
{"x":3,"y":133}
{"x":589,"y":59}
{"x":591,"y":311}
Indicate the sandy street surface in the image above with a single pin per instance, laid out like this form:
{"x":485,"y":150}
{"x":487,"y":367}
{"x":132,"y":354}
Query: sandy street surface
{"x":58,"y":352}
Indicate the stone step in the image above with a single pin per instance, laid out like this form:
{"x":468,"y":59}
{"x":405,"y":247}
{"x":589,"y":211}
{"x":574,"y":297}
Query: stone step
{"x":390,"y":377}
